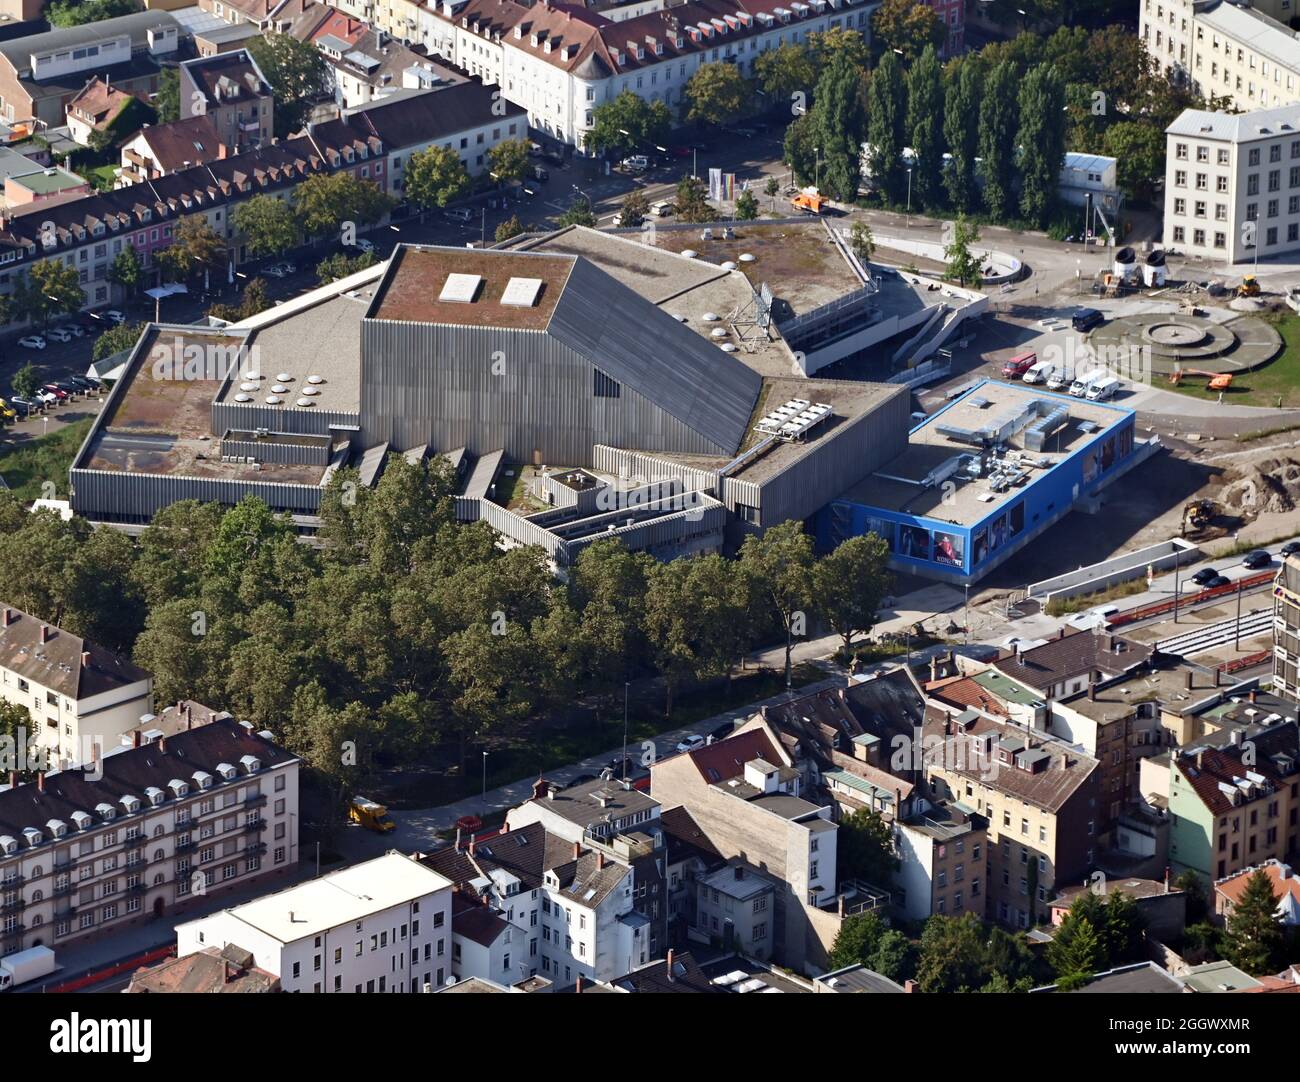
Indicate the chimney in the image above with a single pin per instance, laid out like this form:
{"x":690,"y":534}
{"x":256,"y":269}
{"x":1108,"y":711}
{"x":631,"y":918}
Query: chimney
{"x":1092,"y":690}
{"x":669,"y":967}
{"x":223,"y":151}
{"x":540,"y":786}
{"x":135,"y":739}
{"x":577,"y":984}
{"x":1166,"y":878}
{"x":841,"y":907}
{"x":740,"y":871}
{"x":934,"y":668}
{"x":85,"y":659}
{"x":600,"y":861}
{"x":1187,"y":680}
{"x":1060,"y":632}
{"x":457,"y":839}
{"x":13,"y":779}
{"x":40,"y":781}
{"x":45,"y":633}
{"x":1252,"y":695}
{"x":9,"y":617}
{"x":1284,"y":872}
{"x":909,"y":986}
{"x":472,"y":839}
{"x":577,"y":850}
{"x":162,"y":744}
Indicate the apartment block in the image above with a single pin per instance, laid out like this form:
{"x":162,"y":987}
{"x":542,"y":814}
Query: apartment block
{"x":1039,"y":795}
{"x":379,"y":926}
{"x":735,"y":908}
{"x":1286,"y":629}
{"x":1236,"y":805}
{"x":1232,"y":183}
{"x":149,"y":830}
{"x":231,"y":91}
{"x":943,"y":863}
{"x":81,"y":697}
{"x":1242,"y":52}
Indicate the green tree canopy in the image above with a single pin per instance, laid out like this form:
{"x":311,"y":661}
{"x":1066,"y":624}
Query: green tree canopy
{"x":435,"y":177}
{"x":1253,"y":936}
{"x":297,"y":73}
{"x":718,"y":94}
{"x":267,"y":225}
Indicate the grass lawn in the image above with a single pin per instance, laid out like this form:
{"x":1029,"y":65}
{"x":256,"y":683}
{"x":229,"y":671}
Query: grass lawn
{"x":102,"y":177}
{"x":28,"y":465}
{"x":1276,"y":384}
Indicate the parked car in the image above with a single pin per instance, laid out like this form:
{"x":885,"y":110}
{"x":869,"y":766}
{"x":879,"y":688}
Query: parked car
{"x":616,"y":766}
{"x":690,"y":743}
{"x":364,"y":245}
{"x":1290,"y":549}
{"x":539,"y":173}
{"x":459,"y":214}
{"x":469,"y":823}
{"x":27,"y":405}
{"x":1018,"y":365}
{"x":535,"y":149}
{"x":75,"y":329}
{"x":636,"y":163}
{"x":58,"y":392}
{"x":32,"y":341}
{"x":44,"y":397}
{"x":1257,"y":558}
{"x":663,"y":208}
{"x":1217,"y":581}
{"x":1085,"y":319}
{"x":1204,"y":575}
{"x":82,"y":383}
{"x":114,"y":316}
{"x":58,"y":334}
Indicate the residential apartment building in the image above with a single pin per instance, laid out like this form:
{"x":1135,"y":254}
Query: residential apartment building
{"x":1232,"y":183}
{"x":1242,"y":52}
{"x":231,"y":91}
{"x":1286,"y":629}
{"x":735,"y":910}
{"x":746,"y":796}
{"x":1235,"y":805}
{"x":1040,"y":798}
{"x":373,"y":142}
{"x":160,"y":149}
{"x":569,"y":907}
{"x":41,"y":73}
{"x":560,"y":61}
{"x":943,"y":863}
{"x":163,"y":823}
{"x":379,"y":926}
{"x":1281,"y":877}
{"x":81,"y":697}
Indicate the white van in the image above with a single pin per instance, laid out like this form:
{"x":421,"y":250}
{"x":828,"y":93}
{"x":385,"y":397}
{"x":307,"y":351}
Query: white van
{"x":1058,"y":380}
{"x":663,"y":208}
{"x":1079,"y":388}
{"x":1039,"y":372}
{"x":1101,"y":389}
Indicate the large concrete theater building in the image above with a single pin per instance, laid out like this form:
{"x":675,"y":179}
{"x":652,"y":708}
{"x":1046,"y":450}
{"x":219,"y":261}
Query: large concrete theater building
{"x":582,"y":386}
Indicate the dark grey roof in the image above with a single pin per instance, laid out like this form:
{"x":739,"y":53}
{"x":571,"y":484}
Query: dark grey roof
{"x":642,"y":347}
{"x":581,"y":804}
{"x":19,"y":51}
{"x":858,"y":978}
{"x":1144,"y":977}
{"x":404,"y":119}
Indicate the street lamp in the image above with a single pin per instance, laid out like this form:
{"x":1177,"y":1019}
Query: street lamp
{"x":817,"y":167}
{"x":484,"y":796}
{"x":626,"y":685}
{"x":909,"y":197}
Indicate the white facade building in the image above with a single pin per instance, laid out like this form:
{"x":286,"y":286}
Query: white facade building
{"x":1232,"y":181}
{"x":380,"y":926}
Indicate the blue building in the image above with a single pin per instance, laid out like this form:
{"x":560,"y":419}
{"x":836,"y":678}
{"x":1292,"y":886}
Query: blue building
{"x":983,"y":477}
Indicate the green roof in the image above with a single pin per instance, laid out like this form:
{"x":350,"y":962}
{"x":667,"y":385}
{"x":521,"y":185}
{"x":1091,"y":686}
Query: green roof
{"x":1006,"y":689}
{"x":49,"y":181}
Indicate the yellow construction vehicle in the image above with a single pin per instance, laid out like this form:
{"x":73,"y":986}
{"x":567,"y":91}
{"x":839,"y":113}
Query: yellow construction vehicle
{"x":1249,"y":287}
{"x":1198,"y":514}
{"x":370,"y":815}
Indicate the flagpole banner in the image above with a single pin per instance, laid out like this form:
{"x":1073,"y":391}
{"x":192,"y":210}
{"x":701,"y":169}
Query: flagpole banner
{"x":715,"y":184}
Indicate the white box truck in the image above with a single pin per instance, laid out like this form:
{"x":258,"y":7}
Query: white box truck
{"x":28,"y":965}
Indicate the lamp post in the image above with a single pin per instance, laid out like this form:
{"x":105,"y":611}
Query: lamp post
{"x":909,"y":197}
{"x":483,"y":798}
{"x":817,"y":167}
{"x":625,"y":687}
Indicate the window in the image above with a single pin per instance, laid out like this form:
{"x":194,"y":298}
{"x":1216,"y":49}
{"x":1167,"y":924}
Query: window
{"x":603,"y":386}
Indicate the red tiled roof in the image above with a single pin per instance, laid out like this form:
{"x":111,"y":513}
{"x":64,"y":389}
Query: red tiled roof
{"x":965,"y":691}
{"x":1206,"y":768}
{"x":1234,"y":886}
{"x":725,"y":759}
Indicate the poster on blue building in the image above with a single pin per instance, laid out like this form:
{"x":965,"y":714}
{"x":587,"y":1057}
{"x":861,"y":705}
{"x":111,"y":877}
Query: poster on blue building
{"x":1016,"y":520}
{"x":882,"y":528}
{"x":998,"y":532}
{"x":979,"y":547}
{"x":948,"y":549}
{"x":914,"y":542}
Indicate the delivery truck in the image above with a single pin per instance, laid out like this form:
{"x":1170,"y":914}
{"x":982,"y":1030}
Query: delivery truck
{"x":370,"y":815}
{"x":25,"y":966}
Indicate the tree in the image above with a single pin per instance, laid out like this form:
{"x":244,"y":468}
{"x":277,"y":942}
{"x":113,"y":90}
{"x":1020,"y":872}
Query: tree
{"x":27,"y":379}
{"x":997,"y":142}
{"x":925,"y":101}
{"x":579,"y":213}
{"x":909,"y":26}
{"x":121,"y":336}
{"x":435,"y":177}
{"x":266,"y":224}
{"x":837,"y":127}
{"x":894,"y":956}
{"x":297,"y":73}
{"x":850,"y":582}
{"x":18,"y":741}
{"x":65,"y":13}
{"x":772,"y":189}
{"x":1190,"y":883}
{"x":785,"y":71}
{"x":1042,"y":142}
{"x":508,"y":160}
{"x":1125,"y":928}
{"x":780,"y":564}
{"x":126,"y":271}
{"x":799,"y":148}
{"x":952,"y":955}
{"x":1077,"y":950}
{"x":718,"y":93}
{"x":857,"y":940}
{"x":627,"y":122}
{"x":340,"y":265}
{"x":511,"y":227}
{"x":862,"y":241}
{"x":839,"y":41}
{"x":195,"y":246}
{"x":961,"y":133}
{"x":692,"y":202}
{"x":1139,"y":150}
{"x":963,"y":265}
{"x":866,"y":848}
{"x":322,"y":203}
{"x":634,"y":210}
{"x":254,"y":300}
{"x":167,"y":99}
{"x":885,"y":109}
{"x":1253,"y":936}
{"x":50,"y":288}
{"x":746,"y":206}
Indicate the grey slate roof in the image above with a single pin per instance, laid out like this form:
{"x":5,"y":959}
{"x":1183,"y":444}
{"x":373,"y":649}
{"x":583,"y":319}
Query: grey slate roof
{"x":19,"y":51}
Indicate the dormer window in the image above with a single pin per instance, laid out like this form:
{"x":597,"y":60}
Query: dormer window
{"x":82,"y":820}
{"x":178,"y":787}
{"x":32,"y":836}
{"x":57,"y":828}
{"x":154,"y":795}
{"x":8,"y":845}
{"x":226,"y":771}
{"x":202,"y":779}
{"x":130,"y":804}
{"x":105,"y":811}
{"x":251,"y":764}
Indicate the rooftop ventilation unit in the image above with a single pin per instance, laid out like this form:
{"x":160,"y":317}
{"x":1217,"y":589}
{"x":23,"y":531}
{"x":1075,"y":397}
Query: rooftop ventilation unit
{"x":1039,"y":433}
{"x":521,"y":292}
{"x":793,"y":419}
{"x":461,"y":288}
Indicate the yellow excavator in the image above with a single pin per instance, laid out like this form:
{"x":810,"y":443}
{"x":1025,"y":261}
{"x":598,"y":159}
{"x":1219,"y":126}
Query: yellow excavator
{"x":1249,"y":287}
{"x":1198,"y":514}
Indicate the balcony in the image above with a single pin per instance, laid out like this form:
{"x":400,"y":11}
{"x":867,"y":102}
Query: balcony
{"x":12,"y":907}
{"x":59,"y":892}
{"x":138,"y":888}
{"x":255,"y":801}
{"x":14,"y":932}
{"x":184,"y":847}
{"x":13,"y":882}
{"x":254,"y":825}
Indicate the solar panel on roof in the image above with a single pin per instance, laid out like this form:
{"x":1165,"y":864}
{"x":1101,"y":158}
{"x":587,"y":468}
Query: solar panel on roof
{"x":1087,"y":426}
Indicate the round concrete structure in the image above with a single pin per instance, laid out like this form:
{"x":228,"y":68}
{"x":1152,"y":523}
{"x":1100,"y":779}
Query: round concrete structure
{"x":1174,"y":340}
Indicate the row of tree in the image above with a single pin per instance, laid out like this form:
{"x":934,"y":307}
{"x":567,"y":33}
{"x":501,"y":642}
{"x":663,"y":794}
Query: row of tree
{"x":405,"y":628}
